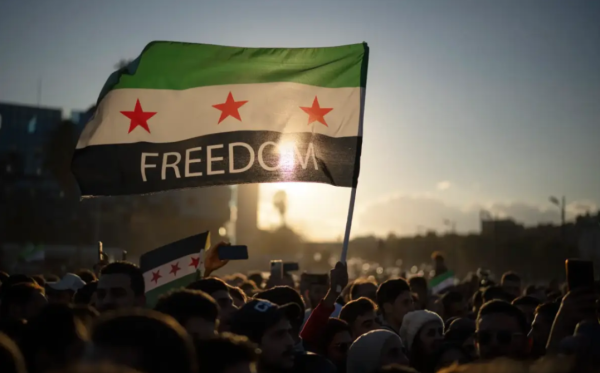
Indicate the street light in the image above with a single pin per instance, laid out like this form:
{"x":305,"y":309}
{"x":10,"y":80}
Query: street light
{"x":561,"y":204}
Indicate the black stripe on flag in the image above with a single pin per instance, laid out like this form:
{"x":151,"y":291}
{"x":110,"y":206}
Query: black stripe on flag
{"x":173,"y":251}
{"x":218,"y":159}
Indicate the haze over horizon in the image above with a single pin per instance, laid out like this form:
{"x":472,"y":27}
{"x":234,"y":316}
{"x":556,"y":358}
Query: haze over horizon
{"x":470,"y":105}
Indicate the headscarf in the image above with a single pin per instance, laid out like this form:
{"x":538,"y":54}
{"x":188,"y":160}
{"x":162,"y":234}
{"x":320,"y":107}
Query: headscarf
{"x":365,"y":353}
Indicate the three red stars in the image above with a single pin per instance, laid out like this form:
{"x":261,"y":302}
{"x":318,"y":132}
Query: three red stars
{"x":138,"y":117}
{"x":316,"y":113}
{"x":230,"y":108}
{"x":195,"y":262}
{"x":174,"y":269}
{"x":155,"y":276}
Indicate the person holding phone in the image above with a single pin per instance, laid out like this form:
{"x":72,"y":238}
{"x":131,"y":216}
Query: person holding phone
{"x":317,"y":321}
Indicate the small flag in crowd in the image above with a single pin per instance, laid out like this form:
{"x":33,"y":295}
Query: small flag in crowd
{"x":33,"y":253}
{"x":441,"y":282}
{"x":190,"y":115}
{"x":173,"y":266}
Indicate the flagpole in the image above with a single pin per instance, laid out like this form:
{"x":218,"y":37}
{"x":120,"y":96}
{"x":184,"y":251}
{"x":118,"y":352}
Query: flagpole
{"x":348,"y":226}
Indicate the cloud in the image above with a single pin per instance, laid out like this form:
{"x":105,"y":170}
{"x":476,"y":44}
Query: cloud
{"x":443,"y":185}
{"x":407,"y":215}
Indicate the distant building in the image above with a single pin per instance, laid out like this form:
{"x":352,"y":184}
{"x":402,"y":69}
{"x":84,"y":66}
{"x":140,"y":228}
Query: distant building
{"x":505,"y":228}
{"x":246,"y":203}
{"x":24,"y":131}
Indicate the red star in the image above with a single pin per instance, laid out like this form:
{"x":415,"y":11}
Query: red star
{"x":138,"y":117}
{"x":175,"y":268}
{"x":316,"y":112}
{"x":230,"y":108}
{"x":195,"y":262}
{"x":155,"y":276}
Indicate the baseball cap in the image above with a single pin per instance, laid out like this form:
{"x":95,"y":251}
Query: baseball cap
{"x":256,"y":316}
{"x":70,"y":281}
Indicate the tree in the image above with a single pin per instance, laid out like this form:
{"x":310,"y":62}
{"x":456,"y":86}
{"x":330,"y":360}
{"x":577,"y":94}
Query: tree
{"x":280,"y":203}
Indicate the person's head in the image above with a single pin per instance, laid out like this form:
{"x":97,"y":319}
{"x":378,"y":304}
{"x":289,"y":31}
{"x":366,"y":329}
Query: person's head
{"x":237,"y":295}
{"x":53,"y":339}
{"x":268,"y":325}
{"x":422,"y":332}
{"x":86,"y":275}
{"x":374,"y":350}
{"x":11,"y":359}
{"x":418,"y":285}
{"x":511,"y":283}
{"x":249,"y":288}
{"x":3,"y":277}
{"x":439,"y":262}
{"x":335,"y":341}
{"x":527,"y":305}
{"x":316,"y":286}
{"x":145,"y":340}
{"x":226,"y":353}
{"x":541,"y":327}
{"x":62,"y":291}
{"x":22,"y":301}
{"x":477,"y":301}
{"x":363,"y":287}
{"x":195,"y":310}
{"x":462,"y":331}
{"x":87,"y":294}
{"x":219,"y":291}
{"x":501,"y":331}
{"x":394,"y":300}
{"x":121,"y":286}
{"x":282,"y":295}
{"x":454,"y":304}
{"x":39,"y":279}
{"x":236,"y":279}
{"x":496,"y":293}
{"x":361,"y":316}
{"x":257,"y":278}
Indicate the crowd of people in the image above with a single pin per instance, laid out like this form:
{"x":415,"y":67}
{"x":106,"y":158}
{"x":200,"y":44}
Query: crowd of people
{"x":98,"y":321}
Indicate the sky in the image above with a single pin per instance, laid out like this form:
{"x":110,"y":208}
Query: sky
{"x":470,"y":104}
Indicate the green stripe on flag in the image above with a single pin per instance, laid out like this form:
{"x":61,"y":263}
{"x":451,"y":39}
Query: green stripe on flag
{"x":441,"y":278}
{"x":153,"y":295}
{"x":178,"y":66}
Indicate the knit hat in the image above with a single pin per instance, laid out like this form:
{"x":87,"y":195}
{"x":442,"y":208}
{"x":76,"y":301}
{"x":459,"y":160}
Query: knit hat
{"x":365,"y":353}
{"x":413,"y":322}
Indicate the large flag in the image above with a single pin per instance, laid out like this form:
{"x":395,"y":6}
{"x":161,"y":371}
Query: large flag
{"x":173,"y":266}
{"x":187,"y":115}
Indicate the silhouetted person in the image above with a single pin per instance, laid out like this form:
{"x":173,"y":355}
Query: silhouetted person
{"x":226,"y":353}
{"x":511,"y":283}
{"x":121,"y":286}
{"x":219,"y":291}
{"x":361,"y":316}
{"x":502,"y":331}
{"x":394,"y":300}
{"x":422,"y":333}
{"x":22,"y":301}
{"x":145,"y":340}
{"x":282,"y":295}
{"x":195,"y":310}
{"x":363,"y":288}
{"x":527,"y":305}
{"x":269,"y":326}
{"x":53,"y":339}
